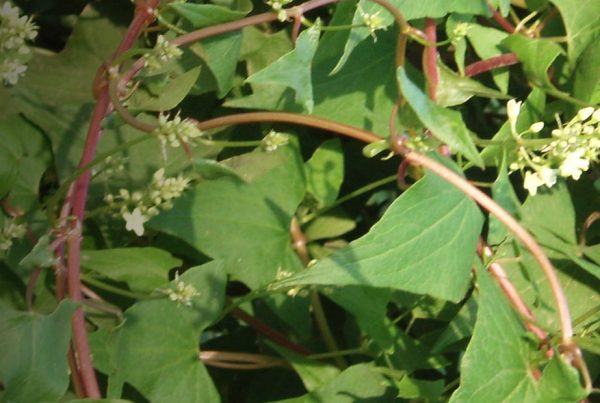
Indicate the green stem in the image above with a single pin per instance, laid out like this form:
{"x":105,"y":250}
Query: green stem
{"x":349,"y":196}
{"x":325,"y":331}
{"x":565,"y":97}
{"x":332,"y":354}
{"x":231,"y":144}
{"x":114,"y":290}
{"x":530,"y":143}
{"x":586,"y":315}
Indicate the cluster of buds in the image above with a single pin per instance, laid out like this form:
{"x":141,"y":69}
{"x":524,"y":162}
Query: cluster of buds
{"x":273,"y":140}
{"x":162,"y":53}
{"x":15,"y":30}
{"x":10,"y":231}
{"x":182,"y":293}
{"x":568,"y":153}
{"x":460,"y":31}
{"x":277,"y":6}
{"x":176,"y":131}
{"x":146,"y":204}
{"x":373,"y":22}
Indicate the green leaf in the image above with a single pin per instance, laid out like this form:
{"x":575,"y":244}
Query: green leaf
{"x":24,"y":157}
{"x":41,"y":255}
{"x":246,"y":223}
{"x":495,"y":371}
{"x":536,"y":57}
{"x":560,"y":383}
{"x":371,"y":317}
{"x":293,"y":70}
{"x":459,"y":43}
{"x":445,"y":124}
{"x":454,"y":90}
{"x":360,"y":95}
{"x":496,"y":367}
{"x":325,"y":172}
{"x":143,"y":269}
{"x":586,"y":84}
{"x":203,"y":15}
{"x":221,"y":56}
{"x":410,"y":388}
{"x":582,"y":21}
{"x":504,"y":194}
{"x":33,"y":353}
{"x":329,"y":226}
{"x":169,"y":97}
{"x":9,"y":170}
{"x":68,"y":76}
{"x":359,"y":382}
{"x":487,"y":43}
{"x":156,"y":348}
{"x":313,"y":373}
{"x":410,"y":10}
{"x":459,"y":328}
{"x":410,"y":247}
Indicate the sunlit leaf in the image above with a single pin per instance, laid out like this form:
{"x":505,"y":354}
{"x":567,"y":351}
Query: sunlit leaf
{"x":424,"y":244}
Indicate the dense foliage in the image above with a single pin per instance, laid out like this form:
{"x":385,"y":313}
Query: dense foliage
{"x":330,"y":201}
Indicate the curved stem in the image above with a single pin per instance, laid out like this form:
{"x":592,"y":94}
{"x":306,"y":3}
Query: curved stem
{"x":121,"y":110}
{"x":482,"y":66}
{"x":285,"y":117}
{"x":481,"y":198}
{"x":513,"y":225}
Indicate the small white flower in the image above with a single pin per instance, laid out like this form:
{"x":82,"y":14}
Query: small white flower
{"x":273,"y":140}
{"x":373,"y":22}
{"x":532,"y":182}
{"x":163,"y":52}
{"x":134,"y":221}
{"x":548,"y":176}
{"x":183,"y":293}
{"x":574,"y":164}
{"x":460,"y":30}
{"x":11,"y":70}
{"x":513,"y":108}
{"x":176,"y":130}
{"x":536,"y":127}
{"x":585,"y":113}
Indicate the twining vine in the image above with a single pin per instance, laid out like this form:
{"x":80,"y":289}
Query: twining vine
{"x":111,"y":82}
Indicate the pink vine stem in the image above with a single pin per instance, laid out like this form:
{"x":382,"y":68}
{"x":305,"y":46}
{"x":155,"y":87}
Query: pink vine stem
{"x":482,"y":66}
{"x":430,"y":58}
{"x":503,"y":22}
{"x":143,"y":16}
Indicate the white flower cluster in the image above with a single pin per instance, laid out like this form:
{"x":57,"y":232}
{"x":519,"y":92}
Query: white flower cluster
{"x":162,"y":53}
{"x":273,"y":140}
{"x":182,"y":293}
{"x":176,"y":131}
{"x":568,"y":153}
{"x":277,"y":6}
{"x":373,"y":22}
{"x":15,"y":30}
{"x":159,"y":195}
{"x":10,"y":231}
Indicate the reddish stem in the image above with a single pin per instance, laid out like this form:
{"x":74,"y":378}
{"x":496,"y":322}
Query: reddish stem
{"x":143,"y":16}
{"x":430,"y":58}
{"x":503,"y":22}
{"x":296,"y":28}
{"x":269,"y":332}
{"x":482,"y":66}
{"x":511,"y":293}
